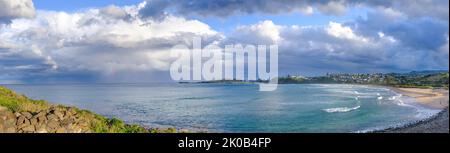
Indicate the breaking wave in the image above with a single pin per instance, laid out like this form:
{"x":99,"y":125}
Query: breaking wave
{"x":341,"y":109}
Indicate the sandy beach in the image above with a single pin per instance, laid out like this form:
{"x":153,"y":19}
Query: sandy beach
{"x":433,"y":98}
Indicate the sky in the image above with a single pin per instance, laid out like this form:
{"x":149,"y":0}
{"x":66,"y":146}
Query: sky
{"x":47,"y":41}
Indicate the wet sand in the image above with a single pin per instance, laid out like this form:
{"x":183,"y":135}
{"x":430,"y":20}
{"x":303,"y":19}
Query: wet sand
{"x":433,"y":98}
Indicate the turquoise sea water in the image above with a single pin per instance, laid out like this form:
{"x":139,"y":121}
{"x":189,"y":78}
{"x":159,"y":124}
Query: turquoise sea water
{"x":239,"y":107}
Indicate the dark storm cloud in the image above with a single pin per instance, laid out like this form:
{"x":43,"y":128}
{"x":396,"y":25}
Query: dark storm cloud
{"x":225,"y":8}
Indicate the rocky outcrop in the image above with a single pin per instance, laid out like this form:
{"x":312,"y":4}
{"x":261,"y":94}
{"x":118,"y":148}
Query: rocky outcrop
{"x":52,"y":120}
{"x":20,"y":114}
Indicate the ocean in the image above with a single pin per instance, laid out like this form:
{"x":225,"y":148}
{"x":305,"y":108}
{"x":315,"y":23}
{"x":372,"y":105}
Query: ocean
{"x":311,"y":108}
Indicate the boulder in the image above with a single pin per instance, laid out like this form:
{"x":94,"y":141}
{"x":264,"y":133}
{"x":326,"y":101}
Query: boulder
{"x":41,"y":113}
{"x":52,"y":117}
{"x":52,"y":124}
{"x":42,"y":119}
{"x":28,"y":129}
{"x":33,"y":121}
{"x":67,"y":121}
{"x":59,"y":114}
{"x":24,"y":124}
{"x":28,"y":115}
{"x":72,"y":111}
{"x":22,"y":121}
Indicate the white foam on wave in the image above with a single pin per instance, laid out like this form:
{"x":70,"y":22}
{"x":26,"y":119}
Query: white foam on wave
{"x":422,"y":112}
{"x":394,"y":98}
{"x":380,"y":98}
{"x":341,"y":109}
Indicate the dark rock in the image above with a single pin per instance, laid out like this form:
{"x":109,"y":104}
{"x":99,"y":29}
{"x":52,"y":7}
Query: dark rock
{"x":51,"y":110}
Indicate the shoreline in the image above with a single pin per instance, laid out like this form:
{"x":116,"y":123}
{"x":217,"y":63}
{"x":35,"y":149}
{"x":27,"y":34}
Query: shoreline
{"x":438,"y":123}
{"x":431,"y":98}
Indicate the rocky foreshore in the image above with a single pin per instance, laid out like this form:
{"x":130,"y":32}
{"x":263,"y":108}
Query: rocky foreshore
{"x":52,"y":120}
{"x":20,"y":114}
{"x":438,"y":123}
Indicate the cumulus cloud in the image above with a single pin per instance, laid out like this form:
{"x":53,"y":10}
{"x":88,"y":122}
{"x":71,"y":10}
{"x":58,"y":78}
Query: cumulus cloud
{"x":11,"y":9}
{"x":265,"y":32}
{"x":114,"y":11}
{"x":106,"y":41}
{"x":342,"y":47}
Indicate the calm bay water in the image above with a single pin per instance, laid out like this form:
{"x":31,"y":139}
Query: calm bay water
{"x":239,"y":107}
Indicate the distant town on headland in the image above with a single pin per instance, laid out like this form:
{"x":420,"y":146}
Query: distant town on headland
{"x":416,"y":79}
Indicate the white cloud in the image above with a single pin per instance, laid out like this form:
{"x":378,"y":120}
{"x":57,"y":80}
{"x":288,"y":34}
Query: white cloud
{"x":114,"y":11}
{"x":263,"y":32}
{"x":102,"y":40}
{"x":308,"y":10}
{"x":11,"y":9}
{"x":343,"y":32}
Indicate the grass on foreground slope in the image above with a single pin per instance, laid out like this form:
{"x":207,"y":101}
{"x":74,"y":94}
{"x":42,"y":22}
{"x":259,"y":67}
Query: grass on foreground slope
{"x":98,"y":124}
